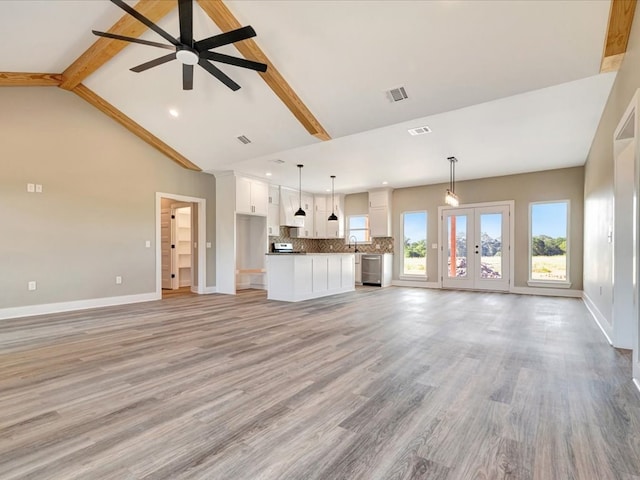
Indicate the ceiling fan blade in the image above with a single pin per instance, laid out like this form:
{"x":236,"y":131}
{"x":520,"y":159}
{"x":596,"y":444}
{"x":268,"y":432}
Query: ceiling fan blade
{"x":146,"y":21}
{"x":187,"y":77}
{"x":153,"y":63}
{"x":133,"y":40}
{"x":219,"y":74}
{"x":185,"y":12}
{"x":238,"y":62}
{"x":226,"y":38}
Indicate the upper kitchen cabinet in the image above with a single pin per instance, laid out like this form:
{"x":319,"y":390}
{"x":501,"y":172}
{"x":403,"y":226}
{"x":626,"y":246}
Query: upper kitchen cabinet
{"x":251,"y":196}
{"x":380,"y":213}
{"x":323,"y":208}
{"x":289,"y":202}
{"x":307,"y":228}
{"x":273,"y":213}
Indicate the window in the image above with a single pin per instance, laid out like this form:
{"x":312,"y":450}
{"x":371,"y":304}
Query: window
{"x":358,"y":227}
{"x":548,"y":242}
{"x":414,"y":243}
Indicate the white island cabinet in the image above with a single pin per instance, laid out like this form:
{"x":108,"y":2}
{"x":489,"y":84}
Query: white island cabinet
{"x":292,"y":277}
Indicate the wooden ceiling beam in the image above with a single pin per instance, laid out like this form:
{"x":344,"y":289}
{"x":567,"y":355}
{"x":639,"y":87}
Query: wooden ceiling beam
{"x":104,"y":49}
{"x":226,"y":21}
{"x":111,"y":111}
{"x":24,"y":79}
{"x":618,"y":30}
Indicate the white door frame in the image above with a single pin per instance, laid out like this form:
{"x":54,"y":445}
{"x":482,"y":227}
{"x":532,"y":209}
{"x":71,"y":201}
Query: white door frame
{"x":625,"y":314}
{"x":201,"y":249}
{"x":441,"y":209}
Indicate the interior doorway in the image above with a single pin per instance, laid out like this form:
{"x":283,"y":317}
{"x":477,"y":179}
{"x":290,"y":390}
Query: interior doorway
{"x":476,"y":247}
{"x":180,"y":245}
{"x":625,"y":328}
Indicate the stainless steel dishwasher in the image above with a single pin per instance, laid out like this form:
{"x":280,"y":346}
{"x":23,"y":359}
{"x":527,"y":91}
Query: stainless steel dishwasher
{"x":371,"y":269}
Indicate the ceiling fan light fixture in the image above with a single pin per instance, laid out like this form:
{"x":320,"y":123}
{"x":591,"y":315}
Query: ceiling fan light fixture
{"x":187,"y":57}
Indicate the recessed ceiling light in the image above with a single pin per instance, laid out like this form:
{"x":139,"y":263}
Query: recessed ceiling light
{"x":173,"y":112}
{"x":268,"y":174}
{"x":419,"y":130}
{"x":385,"y":183}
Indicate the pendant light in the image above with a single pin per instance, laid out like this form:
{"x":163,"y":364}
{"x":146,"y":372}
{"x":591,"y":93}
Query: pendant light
{"x":451,"y":198}
{"x":332,"y":217}
{"x":300,"y":212}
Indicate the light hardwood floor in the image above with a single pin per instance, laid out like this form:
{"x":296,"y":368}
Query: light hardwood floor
{"x":391,"y":383}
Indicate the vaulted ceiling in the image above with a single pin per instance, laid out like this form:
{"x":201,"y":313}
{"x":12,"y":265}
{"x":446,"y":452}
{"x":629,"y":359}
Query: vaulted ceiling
{"x":506,"y":87}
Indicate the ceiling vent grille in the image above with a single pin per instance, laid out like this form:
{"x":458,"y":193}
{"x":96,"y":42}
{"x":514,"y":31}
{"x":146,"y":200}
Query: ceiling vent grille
{"x":243,"y":139}
{"x":397,"y":94}
{"x":419,"y":130}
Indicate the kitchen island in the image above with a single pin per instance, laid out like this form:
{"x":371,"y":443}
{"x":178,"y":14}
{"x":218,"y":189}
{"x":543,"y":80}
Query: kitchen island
{"x":295,"y":277}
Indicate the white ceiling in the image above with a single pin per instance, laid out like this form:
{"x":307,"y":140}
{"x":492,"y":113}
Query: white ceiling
{"x":507,"y":87}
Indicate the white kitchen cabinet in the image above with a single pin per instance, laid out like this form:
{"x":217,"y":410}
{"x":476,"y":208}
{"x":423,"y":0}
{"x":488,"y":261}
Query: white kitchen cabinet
{"x":292,"y":278}
{"x":251,"y":197}
{"x":380,"y":213}
{"x":307,"y":228}
{"x":323,"y":208}
{"x":273,"y":210}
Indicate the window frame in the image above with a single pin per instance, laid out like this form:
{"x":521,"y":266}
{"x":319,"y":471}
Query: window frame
{"x":367,"y":229}
{"x":414,"y":276}
{"x":566,"y":283}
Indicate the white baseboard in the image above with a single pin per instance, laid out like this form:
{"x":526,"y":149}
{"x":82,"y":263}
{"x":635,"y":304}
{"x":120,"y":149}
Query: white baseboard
{"x":599,"y":318}
{"x":414,"y":283}
{"x":42,"y":309}
{"x":549,"y":292}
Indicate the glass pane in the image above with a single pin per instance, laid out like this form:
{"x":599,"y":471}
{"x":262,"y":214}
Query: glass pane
{"x":457,"y":246}
{"x":360,"y":235}
{"x":491,"y":243}
{"x":549,"y":241}
{"x":357,"y":222}
{"x":414,"y":229}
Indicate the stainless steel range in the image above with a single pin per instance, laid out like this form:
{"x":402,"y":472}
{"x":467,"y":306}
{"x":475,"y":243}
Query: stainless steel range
{"x":283,"y":248}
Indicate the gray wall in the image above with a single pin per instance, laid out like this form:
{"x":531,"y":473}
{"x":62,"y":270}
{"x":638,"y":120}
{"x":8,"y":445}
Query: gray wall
{"x":562,"y":184}
{"x":598,"y":187}
{"x":98,"y":205}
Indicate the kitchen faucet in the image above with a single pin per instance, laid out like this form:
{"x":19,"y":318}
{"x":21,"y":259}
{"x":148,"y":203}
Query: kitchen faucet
{"x":355,"y":241}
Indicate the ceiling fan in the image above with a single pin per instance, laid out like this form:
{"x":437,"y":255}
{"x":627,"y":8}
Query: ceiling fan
{"x":188,"y":51}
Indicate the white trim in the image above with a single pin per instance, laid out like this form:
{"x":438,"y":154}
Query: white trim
{"x":201,"y":242}
{"x":548,"y":284}
{"x":46,"y":308}
{"x":599,"y":318}
{"x":208,"y":290}
{"x":415,"y":283}
{"x":636,"y":383}
{"x":417,"y":278}
{"x":548,"y":292}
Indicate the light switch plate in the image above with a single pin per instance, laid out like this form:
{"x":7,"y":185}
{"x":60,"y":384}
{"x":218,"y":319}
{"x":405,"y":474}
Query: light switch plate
{"x":38,"y":188}
{"x":434,"y":246}
{"x":147,"y":244}
{"x":31,"y":285}
{"x":31,"y":187}
{"x":118,"y":280}
{"x":208,"y":244}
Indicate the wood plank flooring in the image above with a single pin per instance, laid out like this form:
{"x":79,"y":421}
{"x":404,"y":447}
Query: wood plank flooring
{"x":391,"y":383}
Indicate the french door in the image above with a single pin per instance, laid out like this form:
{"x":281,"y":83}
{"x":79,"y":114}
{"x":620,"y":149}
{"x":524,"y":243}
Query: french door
{"x":476,"y":247}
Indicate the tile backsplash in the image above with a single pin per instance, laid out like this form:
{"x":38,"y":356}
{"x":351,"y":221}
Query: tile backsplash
{"x":337,"y":245}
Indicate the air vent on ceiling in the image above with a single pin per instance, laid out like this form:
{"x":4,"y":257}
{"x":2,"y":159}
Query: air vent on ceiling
{"x":419,"y":130}
{"x":277,"y":160}
{"x":397,"y":94}
{"x":243,"y":139}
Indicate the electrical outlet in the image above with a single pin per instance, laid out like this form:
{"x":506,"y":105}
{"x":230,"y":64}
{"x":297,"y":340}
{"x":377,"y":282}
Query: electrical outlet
{"x":31,"y":285}
{"x":38,"y":188}
{"x":147,"y":244}
{"x":31,"y":187}
{"x":118,"y":280}
{"x":377,"y":246}
{"x":330,"y":247}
